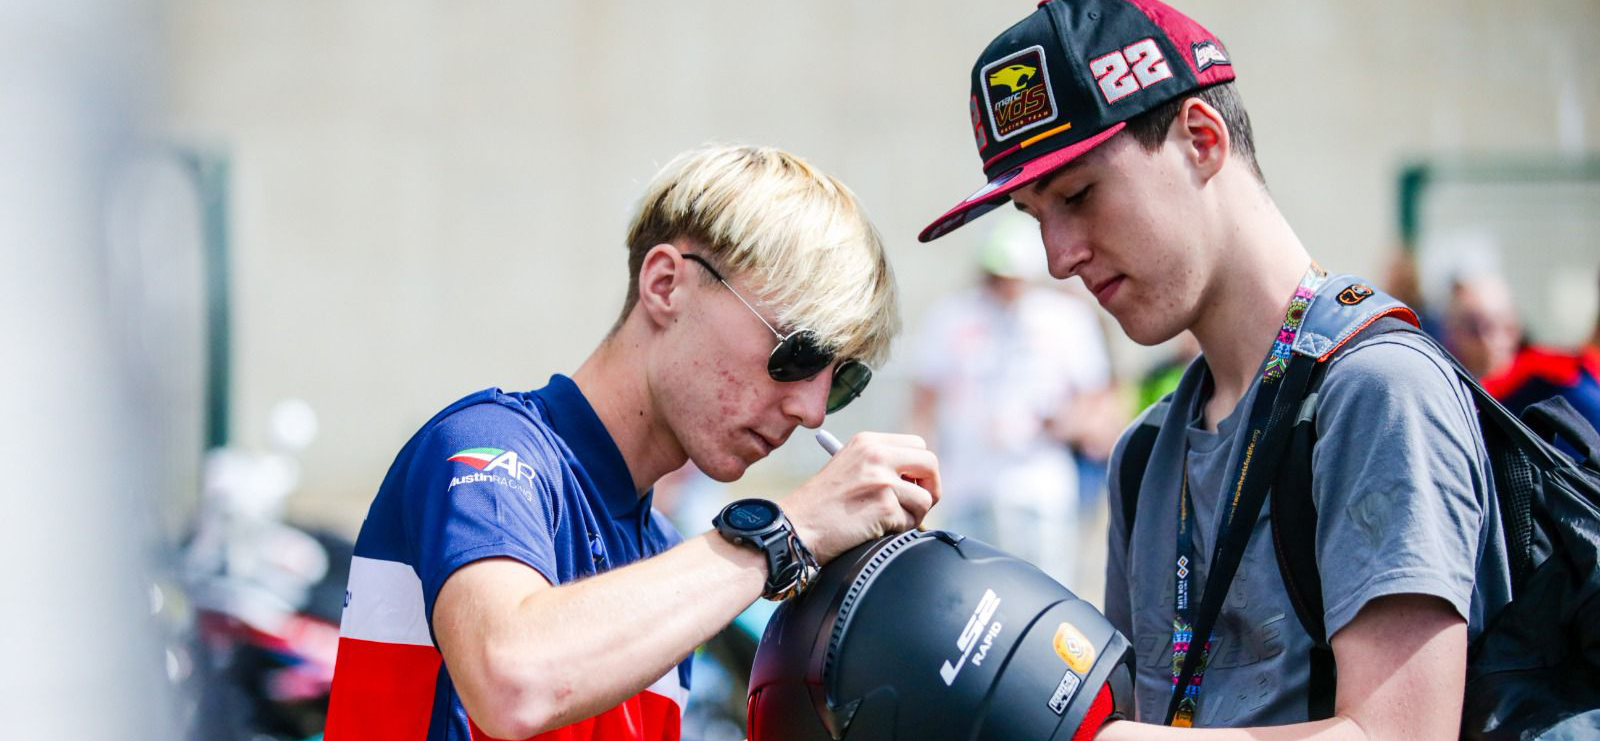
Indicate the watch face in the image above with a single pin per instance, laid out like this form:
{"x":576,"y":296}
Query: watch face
{"x":751,"y":515}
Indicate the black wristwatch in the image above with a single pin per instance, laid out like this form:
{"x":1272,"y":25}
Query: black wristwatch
{"x":760,"y":524}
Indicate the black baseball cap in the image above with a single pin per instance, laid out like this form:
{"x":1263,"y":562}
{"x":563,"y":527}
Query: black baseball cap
{"x":1067,"y":78}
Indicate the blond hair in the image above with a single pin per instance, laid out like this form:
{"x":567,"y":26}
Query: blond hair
{"x":796,"y":236}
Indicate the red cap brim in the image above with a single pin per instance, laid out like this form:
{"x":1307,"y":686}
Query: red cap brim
{"x":997,"y":190}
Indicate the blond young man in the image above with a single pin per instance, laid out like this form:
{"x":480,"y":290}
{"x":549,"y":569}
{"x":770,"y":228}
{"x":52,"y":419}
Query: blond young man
{"x":1115,"y":124}
{"x":512,"y":579}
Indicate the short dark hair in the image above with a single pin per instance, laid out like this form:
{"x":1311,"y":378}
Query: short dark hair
{"x":1150,"y":128}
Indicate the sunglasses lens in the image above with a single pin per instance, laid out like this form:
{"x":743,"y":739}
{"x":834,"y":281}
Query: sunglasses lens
{"x":800,"y":356}
{"x":797,"y":358}
{"x":848,"y":381}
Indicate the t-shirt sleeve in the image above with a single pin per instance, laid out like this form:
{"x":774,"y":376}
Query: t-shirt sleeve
{"x":1119,"y":609}
{"x":1398,"y":478}
{"x":669,"y":536}
{"x":481,"y":484}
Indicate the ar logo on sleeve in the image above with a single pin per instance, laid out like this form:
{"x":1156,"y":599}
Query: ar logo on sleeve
{"x":489,"y":460}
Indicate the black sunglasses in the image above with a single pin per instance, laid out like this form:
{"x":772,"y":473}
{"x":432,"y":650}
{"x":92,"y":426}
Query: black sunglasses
{"x":799,"y":355}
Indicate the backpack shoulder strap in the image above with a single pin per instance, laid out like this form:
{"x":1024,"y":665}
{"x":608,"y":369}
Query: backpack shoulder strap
{"x":1293,"y":509}
{"x":1136,"y":458}
{"x":1294,"y":524}
{"x":1345,"y":307}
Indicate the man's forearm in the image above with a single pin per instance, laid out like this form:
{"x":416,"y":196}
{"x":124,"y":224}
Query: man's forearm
{"x":610,"y":636}
{"x":1402,"y":667}
{"x":1332,"y":729}
{"x":563,"y":654}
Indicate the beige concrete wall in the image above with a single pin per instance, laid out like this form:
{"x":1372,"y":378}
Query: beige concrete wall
{"x":429,"y":197}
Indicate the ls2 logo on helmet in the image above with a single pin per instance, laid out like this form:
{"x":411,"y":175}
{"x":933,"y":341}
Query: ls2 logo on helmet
{"x":971,"y":633}
{"x":1017,"y":92}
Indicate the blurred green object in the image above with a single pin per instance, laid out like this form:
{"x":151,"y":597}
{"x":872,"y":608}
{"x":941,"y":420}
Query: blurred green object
{"x":1159,"y":382}
{"x":1014,"y":250}
{"x":1417,"y":178}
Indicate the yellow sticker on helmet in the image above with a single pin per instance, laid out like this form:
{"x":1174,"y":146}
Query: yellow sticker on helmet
{"x":1074,"y":648}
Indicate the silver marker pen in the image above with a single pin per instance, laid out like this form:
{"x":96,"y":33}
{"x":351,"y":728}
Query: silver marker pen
{"x":828,"y":442}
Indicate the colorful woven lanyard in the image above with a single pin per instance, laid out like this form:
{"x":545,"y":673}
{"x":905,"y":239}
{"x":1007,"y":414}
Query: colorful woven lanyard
{"x":1183,"y":599}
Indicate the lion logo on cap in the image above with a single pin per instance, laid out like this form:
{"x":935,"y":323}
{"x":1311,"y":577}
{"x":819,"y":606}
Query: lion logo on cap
{"x":1016,"y":92}
{"x":1015,"y":77}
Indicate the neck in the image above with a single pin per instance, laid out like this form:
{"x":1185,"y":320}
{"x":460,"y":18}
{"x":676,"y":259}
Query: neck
{"x":619,"y":392}
{"x":1243,"y":308}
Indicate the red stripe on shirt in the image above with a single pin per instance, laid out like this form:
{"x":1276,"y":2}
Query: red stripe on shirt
{"x":382,"y":690}
{"x":646,"y":716}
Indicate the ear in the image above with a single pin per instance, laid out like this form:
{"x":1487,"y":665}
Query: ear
{"x":1202,"y":137}
{"x":663,"y":276}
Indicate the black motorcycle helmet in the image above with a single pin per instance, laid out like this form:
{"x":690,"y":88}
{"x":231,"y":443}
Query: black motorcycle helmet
{"x":927,"y":636}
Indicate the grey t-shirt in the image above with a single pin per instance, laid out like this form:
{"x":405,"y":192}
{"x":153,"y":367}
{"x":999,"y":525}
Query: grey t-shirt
{"x":1405,"y":503}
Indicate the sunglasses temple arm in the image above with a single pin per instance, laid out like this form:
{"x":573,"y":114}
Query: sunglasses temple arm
{"x":752,"y":310}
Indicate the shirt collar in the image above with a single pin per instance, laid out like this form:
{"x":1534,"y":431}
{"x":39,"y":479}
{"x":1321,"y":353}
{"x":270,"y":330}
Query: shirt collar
{"x":570,"y":414}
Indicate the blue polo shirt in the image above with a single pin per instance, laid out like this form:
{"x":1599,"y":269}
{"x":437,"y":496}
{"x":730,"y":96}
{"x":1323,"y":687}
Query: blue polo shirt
{"x":532,"y":476}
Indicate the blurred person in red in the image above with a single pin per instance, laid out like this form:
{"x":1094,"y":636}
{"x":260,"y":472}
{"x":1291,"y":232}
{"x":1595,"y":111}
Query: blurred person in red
{"x":1003,"y":372}
{"x":1484,"y":332}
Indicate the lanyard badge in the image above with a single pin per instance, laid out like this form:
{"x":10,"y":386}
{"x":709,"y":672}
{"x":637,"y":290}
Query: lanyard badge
{"x":1183,"y":597}
{"x":1182,"y":625}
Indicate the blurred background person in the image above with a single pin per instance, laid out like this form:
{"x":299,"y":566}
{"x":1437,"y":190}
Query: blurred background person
{"x":1481,"y":327}
{"x":999,"y":369}
{"x":1483,"y":331}
{"x":1402,"y":281}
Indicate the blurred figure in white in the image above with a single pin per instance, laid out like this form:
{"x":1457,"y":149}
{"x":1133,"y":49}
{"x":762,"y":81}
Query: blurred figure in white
{"x":998,"y":371}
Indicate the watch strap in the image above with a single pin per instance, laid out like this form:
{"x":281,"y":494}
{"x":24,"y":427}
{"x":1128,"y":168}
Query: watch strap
{"x":797,"y":573}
